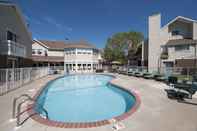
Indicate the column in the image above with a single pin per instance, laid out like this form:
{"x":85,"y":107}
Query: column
{"x":76,"y":66}
{"x":91,"y":67}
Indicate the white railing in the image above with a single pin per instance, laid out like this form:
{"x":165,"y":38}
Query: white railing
{"x":11,"y":79}
{"x":8,"y":47}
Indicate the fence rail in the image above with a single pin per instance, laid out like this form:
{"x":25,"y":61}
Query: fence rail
{"x":11,"y":79}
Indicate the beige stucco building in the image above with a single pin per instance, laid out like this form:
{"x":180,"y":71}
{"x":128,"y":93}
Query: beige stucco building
{"x":174,"y":44}
{"x":81,"y":57}
{"x":75,"y":57}
{"x":15,"y":38}
{"x":48,"y":53}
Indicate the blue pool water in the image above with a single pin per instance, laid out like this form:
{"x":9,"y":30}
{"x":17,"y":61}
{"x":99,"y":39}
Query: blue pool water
{"x":84,"y":98}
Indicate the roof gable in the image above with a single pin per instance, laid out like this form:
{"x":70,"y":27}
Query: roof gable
{"x":181,"y":18}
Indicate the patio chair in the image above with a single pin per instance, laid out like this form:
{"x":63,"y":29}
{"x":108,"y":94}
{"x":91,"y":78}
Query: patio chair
{"x":181,"y":91}
{"x":141,"y":73}
{"x":132,"y":72}
{"x":150,"y":75}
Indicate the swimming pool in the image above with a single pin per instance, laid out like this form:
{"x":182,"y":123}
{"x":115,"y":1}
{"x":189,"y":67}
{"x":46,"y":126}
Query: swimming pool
{"x":84,"y":98}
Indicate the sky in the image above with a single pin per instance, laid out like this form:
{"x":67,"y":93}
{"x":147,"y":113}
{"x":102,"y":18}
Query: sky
{"x":97,"y":20}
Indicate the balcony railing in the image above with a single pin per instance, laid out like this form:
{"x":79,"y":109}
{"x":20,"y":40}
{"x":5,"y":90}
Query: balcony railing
{"x":164,"y":55}
{"x":9,"y":47}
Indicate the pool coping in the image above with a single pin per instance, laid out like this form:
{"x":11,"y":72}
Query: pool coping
{"x":53,"y":123}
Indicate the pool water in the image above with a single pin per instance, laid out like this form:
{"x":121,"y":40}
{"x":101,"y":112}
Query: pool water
{"x":84,"y":98}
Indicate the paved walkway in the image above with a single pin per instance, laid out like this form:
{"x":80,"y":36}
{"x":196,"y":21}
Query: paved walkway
{"x":156,"y":113}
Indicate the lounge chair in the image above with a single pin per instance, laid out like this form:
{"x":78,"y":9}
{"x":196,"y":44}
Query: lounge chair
{"x":141,"y":73}
{"x":149,"y":75}
{"x":181,"y":91}
{"x":132,"y":72}
{"x":161,"y":77}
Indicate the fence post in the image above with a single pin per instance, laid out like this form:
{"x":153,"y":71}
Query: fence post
{"x":21,"y":74}
{"x":6,"y":80}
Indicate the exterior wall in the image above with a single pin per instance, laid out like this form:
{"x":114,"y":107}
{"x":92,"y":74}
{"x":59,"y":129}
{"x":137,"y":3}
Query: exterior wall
{"x":10,"y":20}
{"x":37,"y":47}
{"x":55,"y":53}
{"x":183,"y":54}
{"x":154,"y":41}
{"x":81,"y":60}
{"x":195,"y":30}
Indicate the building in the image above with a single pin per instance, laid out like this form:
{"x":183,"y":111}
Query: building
{"x":15,"y":38}
{"x":48,"y":53}
{"x":174,"y":44}
{"x":81,"y":57}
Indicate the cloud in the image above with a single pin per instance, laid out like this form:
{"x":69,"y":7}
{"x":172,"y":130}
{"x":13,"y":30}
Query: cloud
{"x":31,"y":19}
{"x":57,"y":25}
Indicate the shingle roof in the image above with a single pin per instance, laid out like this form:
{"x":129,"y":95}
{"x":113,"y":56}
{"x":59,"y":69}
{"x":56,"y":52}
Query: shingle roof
{"x":53,"y":44}
{"x":80,"y":45}
{"x":61,"y":45}
{"x":181,"y":42}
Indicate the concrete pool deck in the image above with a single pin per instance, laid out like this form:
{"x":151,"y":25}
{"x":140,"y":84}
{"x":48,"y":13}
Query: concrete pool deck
{"x":156,"y":112}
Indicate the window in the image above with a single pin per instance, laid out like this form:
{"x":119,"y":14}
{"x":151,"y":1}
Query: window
{"x":175,"y":32}
{"x":45,"y":53}
{"x":181,"y":47}
{"x":39,"y":52}
{"x":33,"y":52}
{"x":11,"y":36}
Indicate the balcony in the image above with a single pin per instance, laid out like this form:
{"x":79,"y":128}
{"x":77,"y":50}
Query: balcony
{"x":164,"y":55}
{"x":12,"y":48}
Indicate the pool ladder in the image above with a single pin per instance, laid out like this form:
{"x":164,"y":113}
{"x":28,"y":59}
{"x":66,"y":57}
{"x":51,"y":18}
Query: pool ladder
{"x":16,"y":111}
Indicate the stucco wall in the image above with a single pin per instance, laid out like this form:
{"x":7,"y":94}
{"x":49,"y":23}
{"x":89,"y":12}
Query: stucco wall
{"x":10,"y":20}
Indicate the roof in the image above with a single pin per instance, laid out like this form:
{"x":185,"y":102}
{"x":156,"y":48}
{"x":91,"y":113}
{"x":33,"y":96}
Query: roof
{"x":180,"y":18}
{"x":48,"y":58}
{"x":181,"y":42}
{"x":56,"y":45}
{"x":80,"y":44}
{"x":61,"y":45}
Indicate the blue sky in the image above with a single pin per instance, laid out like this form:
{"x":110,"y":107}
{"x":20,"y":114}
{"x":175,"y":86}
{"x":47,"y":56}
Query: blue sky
{"x":96,"y":20}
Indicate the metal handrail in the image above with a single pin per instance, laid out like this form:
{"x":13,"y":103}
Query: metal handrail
{"x":14,"y":104}
{"x":28,"y":98}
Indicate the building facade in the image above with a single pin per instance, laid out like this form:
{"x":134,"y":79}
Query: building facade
{"x":15,"y":38}
{"x":48,"y":53}
{"x":173,"y":45}
{"x":81,"y":58}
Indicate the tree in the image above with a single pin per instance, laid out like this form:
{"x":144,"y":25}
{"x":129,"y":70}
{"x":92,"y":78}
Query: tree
{"x":122,"y":46}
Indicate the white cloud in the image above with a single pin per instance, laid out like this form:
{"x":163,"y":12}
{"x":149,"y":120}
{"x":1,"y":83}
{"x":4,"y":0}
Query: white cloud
{"x":57,"y":25}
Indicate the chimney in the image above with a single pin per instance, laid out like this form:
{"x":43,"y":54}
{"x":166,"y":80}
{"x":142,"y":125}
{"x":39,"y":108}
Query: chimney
{"x":154,"y":29}
{"x":154,"y":25}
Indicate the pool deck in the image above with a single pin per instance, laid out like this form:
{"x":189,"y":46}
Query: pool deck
{"x":156,"y":112}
